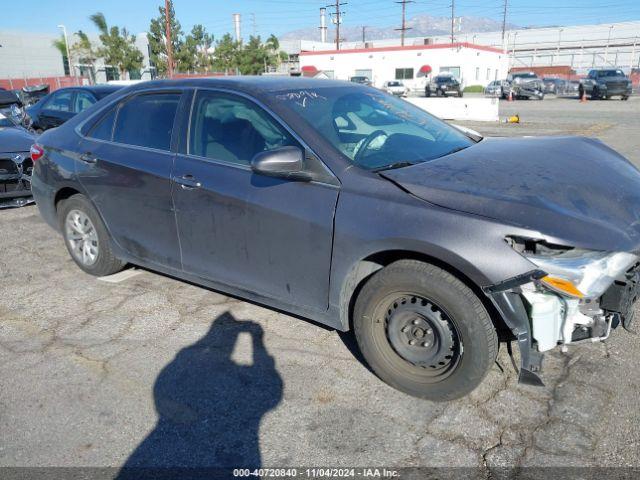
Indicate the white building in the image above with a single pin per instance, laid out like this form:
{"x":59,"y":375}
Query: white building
{"x":413,"y":64}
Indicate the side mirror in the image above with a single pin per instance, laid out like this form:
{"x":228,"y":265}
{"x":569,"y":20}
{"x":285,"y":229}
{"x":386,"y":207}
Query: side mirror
{"x":284,"y":162}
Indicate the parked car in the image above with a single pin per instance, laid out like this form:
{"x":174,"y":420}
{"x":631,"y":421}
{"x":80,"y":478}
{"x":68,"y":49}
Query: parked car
{"x":346,"y":205}
{"x":553,"y":85}
{"x":570,"y":89}
{"x":59,"y":106}
{"x":524,"y":85}
{"x":607,"y":83}
{"x":494,"y":89}
{"x":15,"y":162}
{"x":442,"y":85}
{"x":32,"y":94}
{"x":395,"y":87}
{"x":361,"y":80}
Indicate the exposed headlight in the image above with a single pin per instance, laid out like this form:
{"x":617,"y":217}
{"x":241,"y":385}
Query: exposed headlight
{"x":575,"y":272}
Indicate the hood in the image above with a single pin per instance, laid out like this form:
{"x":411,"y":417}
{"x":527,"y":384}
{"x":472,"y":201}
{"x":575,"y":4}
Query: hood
{"x":572,"y":190}
{"x":15,"y":139}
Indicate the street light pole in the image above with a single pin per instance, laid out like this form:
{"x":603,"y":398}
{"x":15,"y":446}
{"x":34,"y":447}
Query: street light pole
{"x":559,"y":39}
{"x":66,"y":43}
{"x":606,"y":50}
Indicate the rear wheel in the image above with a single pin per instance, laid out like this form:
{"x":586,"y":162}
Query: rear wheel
{"x":423,"y":331}
{"x":86,"y":237}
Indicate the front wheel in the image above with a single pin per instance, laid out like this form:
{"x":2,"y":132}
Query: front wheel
{"x":86,"y":237}
{"x":423,"y":331}
{"x":460,"y":94}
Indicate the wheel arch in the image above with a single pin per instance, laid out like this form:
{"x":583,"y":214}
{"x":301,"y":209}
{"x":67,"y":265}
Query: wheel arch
{"x":366,"y":267}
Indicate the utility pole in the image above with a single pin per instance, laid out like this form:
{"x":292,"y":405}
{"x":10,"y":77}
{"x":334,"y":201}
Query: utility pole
{"x":453,"y":18}
{"x":404,"y":23}
{"x":337,"y":20}
{"x":167,"y":26}
{"x":504,"y":22}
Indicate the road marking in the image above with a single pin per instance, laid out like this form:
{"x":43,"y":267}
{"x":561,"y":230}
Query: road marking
{"x":121,"y":276}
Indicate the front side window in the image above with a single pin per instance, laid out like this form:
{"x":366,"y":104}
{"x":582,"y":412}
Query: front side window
{"x":83,"y":101}
{"x":146,"y":120}
{"x":59,"y":102}
{"x":374,"y":130}
{"x":233,"y":129}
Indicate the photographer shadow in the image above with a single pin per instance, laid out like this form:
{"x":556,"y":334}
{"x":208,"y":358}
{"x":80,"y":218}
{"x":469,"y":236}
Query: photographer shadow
{"x":209,"y":406}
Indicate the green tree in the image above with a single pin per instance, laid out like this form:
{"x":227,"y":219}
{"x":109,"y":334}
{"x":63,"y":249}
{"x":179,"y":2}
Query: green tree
{"x":85,"y":53}
{"x":226,"y":55}
{"x":254,"y":57}
{"x":158,"y":41}
{"x":61,"y":46}
{"x":118,"y":46}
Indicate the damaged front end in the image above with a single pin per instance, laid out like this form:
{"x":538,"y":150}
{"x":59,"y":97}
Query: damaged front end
{"x":15,"y":179}
{"x":574,"y":295}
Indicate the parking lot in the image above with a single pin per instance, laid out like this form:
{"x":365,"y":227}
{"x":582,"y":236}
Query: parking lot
{"x":152,"y":371}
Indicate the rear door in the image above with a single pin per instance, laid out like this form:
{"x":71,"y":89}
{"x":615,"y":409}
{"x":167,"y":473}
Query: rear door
{"x":125,"y":166}
{"x":270,"y":236}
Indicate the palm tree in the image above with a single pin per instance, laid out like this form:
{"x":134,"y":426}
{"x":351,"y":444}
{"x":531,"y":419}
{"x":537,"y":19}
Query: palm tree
{"x":61,"y":45}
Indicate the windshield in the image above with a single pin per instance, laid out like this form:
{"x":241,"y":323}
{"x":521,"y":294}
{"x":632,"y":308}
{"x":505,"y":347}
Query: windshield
{"x":524,"y":75}
{"x":373,"y":129}
{"x":611,"y":73}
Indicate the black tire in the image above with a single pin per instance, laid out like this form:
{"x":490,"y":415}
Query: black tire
{"x":105,"y":262}
{"x":403,"y":287}
{"x":427,"y":93}
{"x":595,"y":93}
{"x":460,"y":94}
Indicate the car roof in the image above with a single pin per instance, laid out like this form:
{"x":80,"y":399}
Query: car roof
{"x":96,"y":89}
{"x":253,"y":85}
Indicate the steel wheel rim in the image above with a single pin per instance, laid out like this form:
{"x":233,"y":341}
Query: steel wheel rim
{"x":82,"y":237}
{"x":428,"y":323}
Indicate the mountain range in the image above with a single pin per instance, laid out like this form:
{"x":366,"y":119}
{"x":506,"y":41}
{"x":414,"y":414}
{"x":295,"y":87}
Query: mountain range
{"x":421,"y":26}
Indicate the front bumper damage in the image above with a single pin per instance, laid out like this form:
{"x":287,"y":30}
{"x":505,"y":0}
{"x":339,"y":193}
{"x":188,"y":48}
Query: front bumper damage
{"x":15,"y":180}
{"x":543,"y":320}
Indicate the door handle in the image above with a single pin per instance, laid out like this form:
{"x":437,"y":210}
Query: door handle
{"x":187,"y":182}
{"x":88,"y":157}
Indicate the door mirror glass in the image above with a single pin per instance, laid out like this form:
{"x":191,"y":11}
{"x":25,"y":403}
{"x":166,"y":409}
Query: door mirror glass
{"x":284,"y":162}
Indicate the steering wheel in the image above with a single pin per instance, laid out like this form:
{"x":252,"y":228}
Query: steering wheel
{"x":364,"y":145}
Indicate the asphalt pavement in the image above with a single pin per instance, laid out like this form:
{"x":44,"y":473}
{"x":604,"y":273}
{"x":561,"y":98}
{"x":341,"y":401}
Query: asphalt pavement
{"x":152,"y":371}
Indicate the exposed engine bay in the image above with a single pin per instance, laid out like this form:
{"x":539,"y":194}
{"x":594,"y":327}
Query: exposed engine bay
{"x":582,"y":296}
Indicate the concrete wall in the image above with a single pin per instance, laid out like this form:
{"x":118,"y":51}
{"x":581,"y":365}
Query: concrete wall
{"x":477,"y":65}
{"x":24,"y":55}
{"x":27,"y":55}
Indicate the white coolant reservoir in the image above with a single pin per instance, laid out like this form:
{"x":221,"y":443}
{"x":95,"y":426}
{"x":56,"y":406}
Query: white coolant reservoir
{"x":547,"y":317}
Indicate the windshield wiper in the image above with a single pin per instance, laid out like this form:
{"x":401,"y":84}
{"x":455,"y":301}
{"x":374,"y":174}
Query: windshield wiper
{"x":392,"y":166}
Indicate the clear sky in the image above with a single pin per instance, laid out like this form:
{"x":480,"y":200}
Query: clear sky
{"x":279,"y":16}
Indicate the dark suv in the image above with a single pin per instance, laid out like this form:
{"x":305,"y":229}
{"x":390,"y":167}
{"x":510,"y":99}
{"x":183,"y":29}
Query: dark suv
{"x":349,"y":206}
{"x":442,"y":85}
{"x":604,"y":84}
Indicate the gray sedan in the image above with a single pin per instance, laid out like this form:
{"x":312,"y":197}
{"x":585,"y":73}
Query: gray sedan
{"x":340,"y":203}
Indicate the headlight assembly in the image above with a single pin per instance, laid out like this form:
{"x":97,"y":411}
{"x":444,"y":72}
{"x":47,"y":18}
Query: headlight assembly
{"x":575,"y":272}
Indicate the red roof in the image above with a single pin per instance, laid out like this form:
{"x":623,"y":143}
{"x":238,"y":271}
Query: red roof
{"x":400,"y":48}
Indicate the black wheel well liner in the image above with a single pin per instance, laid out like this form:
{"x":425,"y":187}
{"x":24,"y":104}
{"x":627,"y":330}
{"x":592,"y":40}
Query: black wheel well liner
{"x":384,"y":258}
{"x":64,"y":193}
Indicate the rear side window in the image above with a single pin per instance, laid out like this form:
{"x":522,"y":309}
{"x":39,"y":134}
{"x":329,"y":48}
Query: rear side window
{"x":104,"y":128}
{"x":147,"y":120}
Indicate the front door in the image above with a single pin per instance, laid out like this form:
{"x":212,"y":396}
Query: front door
{"x":125,"y":166}
{"x":266,"y":235}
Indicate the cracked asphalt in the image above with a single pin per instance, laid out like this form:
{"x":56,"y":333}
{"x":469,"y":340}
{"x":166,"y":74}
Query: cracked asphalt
{"x":153,"y":371}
